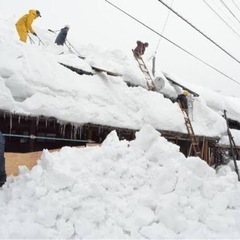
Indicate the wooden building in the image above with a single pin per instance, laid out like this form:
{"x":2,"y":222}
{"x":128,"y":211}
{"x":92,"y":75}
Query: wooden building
{"x":34,"y":133}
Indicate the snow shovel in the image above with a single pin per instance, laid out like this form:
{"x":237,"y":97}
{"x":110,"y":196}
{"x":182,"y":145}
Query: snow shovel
{"x":70,"y":45}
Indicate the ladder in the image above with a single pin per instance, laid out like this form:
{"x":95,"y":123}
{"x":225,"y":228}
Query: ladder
{"x":233,"y":147}
{"x":194,"y":141}
{"x":142,"y":66}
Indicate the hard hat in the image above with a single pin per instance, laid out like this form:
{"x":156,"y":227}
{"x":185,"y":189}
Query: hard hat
{"x":185,"y":92}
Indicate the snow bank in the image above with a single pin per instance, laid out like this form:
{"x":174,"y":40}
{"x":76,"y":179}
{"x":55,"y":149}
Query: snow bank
{"x":140,"y":189}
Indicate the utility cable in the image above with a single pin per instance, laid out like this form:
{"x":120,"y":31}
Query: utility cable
{"x":220,"y":17}
{"x":154,"y":55}
{"x":165,"y":24}
{"x":176,"y":13}
{"x":176,"y":45}
{"x":226,"y":15}
{"x":225,"y":5}
{"x":236,"y":5}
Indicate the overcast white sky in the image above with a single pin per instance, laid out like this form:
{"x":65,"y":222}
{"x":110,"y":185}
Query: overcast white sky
{"x":96,"y":22}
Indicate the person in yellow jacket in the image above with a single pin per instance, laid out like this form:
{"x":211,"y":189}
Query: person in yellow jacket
{"x":24,"y":24}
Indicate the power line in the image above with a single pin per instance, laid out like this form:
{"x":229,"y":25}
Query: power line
{"x":220,"y":17}
{"x":225,"y":5}
{"x":176,"y":45}
{"x":226,"y":15}
{"x":229,"y":54}
{"x":236,"y":5}
{"x":165,"y":24}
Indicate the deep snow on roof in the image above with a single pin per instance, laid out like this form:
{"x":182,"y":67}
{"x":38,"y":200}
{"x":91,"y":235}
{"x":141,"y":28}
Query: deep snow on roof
{"x":33,"y":82}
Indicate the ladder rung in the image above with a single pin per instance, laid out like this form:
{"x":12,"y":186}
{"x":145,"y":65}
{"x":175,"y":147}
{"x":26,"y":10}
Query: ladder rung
{"x":148,"y":78}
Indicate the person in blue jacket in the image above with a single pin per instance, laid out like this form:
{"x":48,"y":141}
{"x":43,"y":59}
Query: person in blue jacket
{"x":61,"y":37}
{"x":3,"y":175}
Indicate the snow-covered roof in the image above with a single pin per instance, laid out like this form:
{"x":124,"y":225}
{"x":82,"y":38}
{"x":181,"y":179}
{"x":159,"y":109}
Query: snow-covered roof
{"x":214,"y":100}
{"x":33,"y":82}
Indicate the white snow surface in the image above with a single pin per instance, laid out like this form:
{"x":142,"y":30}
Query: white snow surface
{"x":236,"y":137}
{"x":140,"y":189}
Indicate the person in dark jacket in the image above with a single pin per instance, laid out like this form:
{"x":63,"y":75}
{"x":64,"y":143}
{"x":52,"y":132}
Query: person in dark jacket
{"x":3,"y":175}
{"x":182,"y":99}
{"x":140,"y":49}
{"x":61,"y":37}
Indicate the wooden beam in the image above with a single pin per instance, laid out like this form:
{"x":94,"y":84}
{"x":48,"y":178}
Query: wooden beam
{"x":180,"y":85}
{"x":77,"y":70}
{"x":97,"y":69}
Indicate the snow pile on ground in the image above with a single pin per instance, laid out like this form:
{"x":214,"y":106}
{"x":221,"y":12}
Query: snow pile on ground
{"x":140,"y":189}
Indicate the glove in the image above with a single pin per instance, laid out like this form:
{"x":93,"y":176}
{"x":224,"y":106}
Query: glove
{"x":34,"y":34}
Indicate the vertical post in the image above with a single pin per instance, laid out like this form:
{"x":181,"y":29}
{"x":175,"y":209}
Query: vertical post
{"x":153,"y":65}
{"x":231,"y":141}
{"x":3,"y":175}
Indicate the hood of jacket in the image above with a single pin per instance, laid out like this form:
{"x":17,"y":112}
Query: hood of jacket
{"x":34,"y":12}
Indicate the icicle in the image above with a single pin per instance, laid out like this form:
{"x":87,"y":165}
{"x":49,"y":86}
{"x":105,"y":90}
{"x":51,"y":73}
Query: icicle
{"x":71,"y":131}
{"x":37,"y":121}
{"x":19,"y":119}
{"x":60,"y":129}
{"x":46,"y":122}
{"x":73,"y":128}
{"x":10,"y":123}
{"x":75,"y":132}
{"x":80,"y":132}
{"x":63,"y":131}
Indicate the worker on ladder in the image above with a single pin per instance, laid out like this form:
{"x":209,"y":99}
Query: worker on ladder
{"x":140,"y":49}
{"x":182,"y":100}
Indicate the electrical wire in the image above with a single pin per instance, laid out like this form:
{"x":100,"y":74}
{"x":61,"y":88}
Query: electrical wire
{"x":226,"y":15}
{"x":236,"y":5}
{"x":176,"y":45}
{"x":225,"y":5}
{"x":176,"y":13}
{"x":165,"y":24}
{"x":221,"y":18}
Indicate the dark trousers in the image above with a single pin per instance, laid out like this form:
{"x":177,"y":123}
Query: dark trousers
{"x":2,"y":161}
{"x":3,"y":178}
